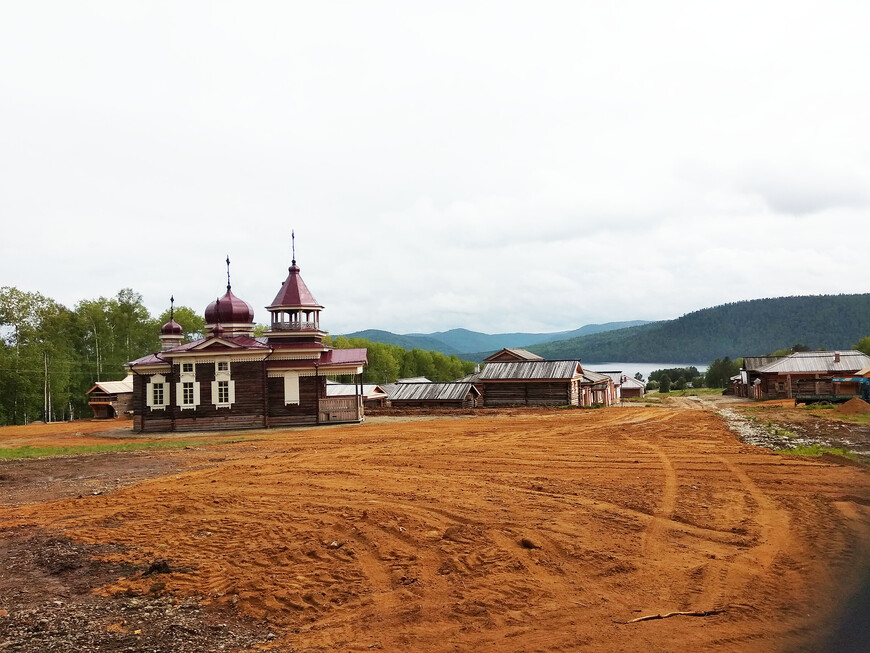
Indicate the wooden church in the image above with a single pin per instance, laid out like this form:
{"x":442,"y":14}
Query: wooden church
{"x":232,"y":380}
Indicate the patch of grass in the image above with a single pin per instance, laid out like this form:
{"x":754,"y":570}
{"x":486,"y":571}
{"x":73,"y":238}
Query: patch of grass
{"x":46,"y":452}
{"x":816,"y":450}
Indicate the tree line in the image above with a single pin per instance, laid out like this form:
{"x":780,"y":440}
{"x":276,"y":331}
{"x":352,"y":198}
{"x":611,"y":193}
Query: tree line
{"x":390,"y":362}
{"x":50,"y":355}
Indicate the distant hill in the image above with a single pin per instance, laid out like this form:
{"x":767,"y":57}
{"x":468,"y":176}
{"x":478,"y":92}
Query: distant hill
{"x":745,"y":328}
{"x":408,"y":341}
{"x":463,"y":342}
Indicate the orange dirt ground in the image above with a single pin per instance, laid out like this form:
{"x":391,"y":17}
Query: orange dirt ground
{"x":534,"y":531}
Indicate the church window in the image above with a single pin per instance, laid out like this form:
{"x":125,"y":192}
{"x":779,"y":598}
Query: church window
{"x":187,"y":396}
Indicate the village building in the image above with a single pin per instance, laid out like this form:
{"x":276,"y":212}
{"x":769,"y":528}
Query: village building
{"x":803,"y":376}
{"x":111,"y":399}
{"x":531,"y":383}
{"x":373,"y":394}
{"x":597,"y":389}
{"x":440,"y":395}
{"x":231,"y":380}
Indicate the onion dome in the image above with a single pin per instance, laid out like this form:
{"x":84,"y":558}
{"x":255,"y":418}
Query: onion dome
{"x":229,"y":309}
{"x":171,"y":328}
{"x":218,"y":330}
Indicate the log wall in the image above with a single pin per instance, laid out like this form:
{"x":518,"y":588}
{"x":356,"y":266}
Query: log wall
{"x":545,"y":393}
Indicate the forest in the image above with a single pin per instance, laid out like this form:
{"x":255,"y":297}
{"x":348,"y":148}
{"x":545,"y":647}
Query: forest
{"x":51,"y":355}
{"x":748,"y":328}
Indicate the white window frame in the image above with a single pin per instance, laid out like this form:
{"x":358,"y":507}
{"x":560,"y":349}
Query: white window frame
{"x":291,"y":388}
{"x":187,"y":377}
{"x":192,"y":369}
{"x":223,"y":376}
{"x":154,"y":381}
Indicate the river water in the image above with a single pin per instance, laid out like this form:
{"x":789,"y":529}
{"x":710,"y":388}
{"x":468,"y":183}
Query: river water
{"x":630,"y":369}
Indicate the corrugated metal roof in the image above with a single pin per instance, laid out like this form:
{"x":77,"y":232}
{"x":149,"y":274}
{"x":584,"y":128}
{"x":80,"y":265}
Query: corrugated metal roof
{"x":414,"y":379}
{"x":432,"y":391}
{"x":530,"y":370}
{"x":117,"y":387}
{"x":818,"y":362}
{"x":631,"y":381}
{"x":369,"y":390}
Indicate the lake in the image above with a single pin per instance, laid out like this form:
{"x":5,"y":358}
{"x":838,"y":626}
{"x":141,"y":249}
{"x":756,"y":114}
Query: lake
{"x":629,"y":369}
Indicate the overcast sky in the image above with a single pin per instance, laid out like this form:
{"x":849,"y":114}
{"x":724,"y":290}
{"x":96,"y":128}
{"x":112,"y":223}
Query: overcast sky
{"x":498,"y":166}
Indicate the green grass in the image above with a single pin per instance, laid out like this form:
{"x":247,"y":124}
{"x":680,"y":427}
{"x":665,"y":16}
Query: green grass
{"x":46,"y":452}
{"x":816,"y":450}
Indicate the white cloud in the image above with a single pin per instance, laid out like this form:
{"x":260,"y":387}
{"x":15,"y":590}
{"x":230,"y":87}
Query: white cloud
{"x":492,"y":166}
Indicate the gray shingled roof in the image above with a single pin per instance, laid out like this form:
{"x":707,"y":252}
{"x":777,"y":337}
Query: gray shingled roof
{"x":432,"y":391}
{"x":818,"y":362}
{"x":530,"y":370}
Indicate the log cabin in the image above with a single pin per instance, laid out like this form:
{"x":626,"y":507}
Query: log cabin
{"x":531,"y":383}
{"x":802,"y":376}
{"x":230,"y":379}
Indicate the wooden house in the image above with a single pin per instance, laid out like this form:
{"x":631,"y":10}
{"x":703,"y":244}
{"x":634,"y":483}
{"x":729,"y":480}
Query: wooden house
{"x":230,"y":380}
{"x":803,"y":376}
{"x":111,"y":399}
{"x":625,"y":386}
{"x":442,"y":395}
{"x":531,"y":383}
{"x":597,"y":389}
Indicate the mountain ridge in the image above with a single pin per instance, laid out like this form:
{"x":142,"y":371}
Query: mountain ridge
{"x":743,"y":328}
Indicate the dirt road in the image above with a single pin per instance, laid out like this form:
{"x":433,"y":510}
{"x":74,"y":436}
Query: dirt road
{"x":539,"y":531}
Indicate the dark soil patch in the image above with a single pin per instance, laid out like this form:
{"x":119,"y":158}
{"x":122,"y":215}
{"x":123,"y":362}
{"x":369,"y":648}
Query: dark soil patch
{"x":33,"y":480}
{"x":46,"y":604}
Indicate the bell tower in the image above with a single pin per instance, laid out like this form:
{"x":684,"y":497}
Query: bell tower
{"x":295,"y":313}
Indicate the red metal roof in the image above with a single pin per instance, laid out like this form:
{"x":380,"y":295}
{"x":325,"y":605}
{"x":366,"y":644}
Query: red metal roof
{"x":344,"y":357}
{"x":294,"y":293}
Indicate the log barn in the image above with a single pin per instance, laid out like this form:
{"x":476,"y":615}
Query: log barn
{"x":232,"y":380}
{"x":531,"y":383}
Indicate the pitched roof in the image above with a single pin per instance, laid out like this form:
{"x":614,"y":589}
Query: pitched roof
{"x":631,"y":381}
{"x":294,"y":293}
{"x":531,"y":370}
{"x":414,"y":379}
{"x":754,"y":363}
{"x":518,"y":354}
{"x":594,"y":377}
{"x":369,"y":390}
{"x":818,"y":362}
{"x":115,"y":387}
{"x":432,"y":391}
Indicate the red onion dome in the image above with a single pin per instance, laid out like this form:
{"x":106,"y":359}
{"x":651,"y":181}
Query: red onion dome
{"x":229,"y":309}
{"x":218,"y":330}
{"x":171,"y":328}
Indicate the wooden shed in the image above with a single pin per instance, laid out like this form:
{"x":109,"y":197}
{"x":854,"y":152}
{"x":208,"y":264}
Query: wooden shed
{"x":111,"y":399}
{"x":373,"y":395}
{"x":531,"y":383}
